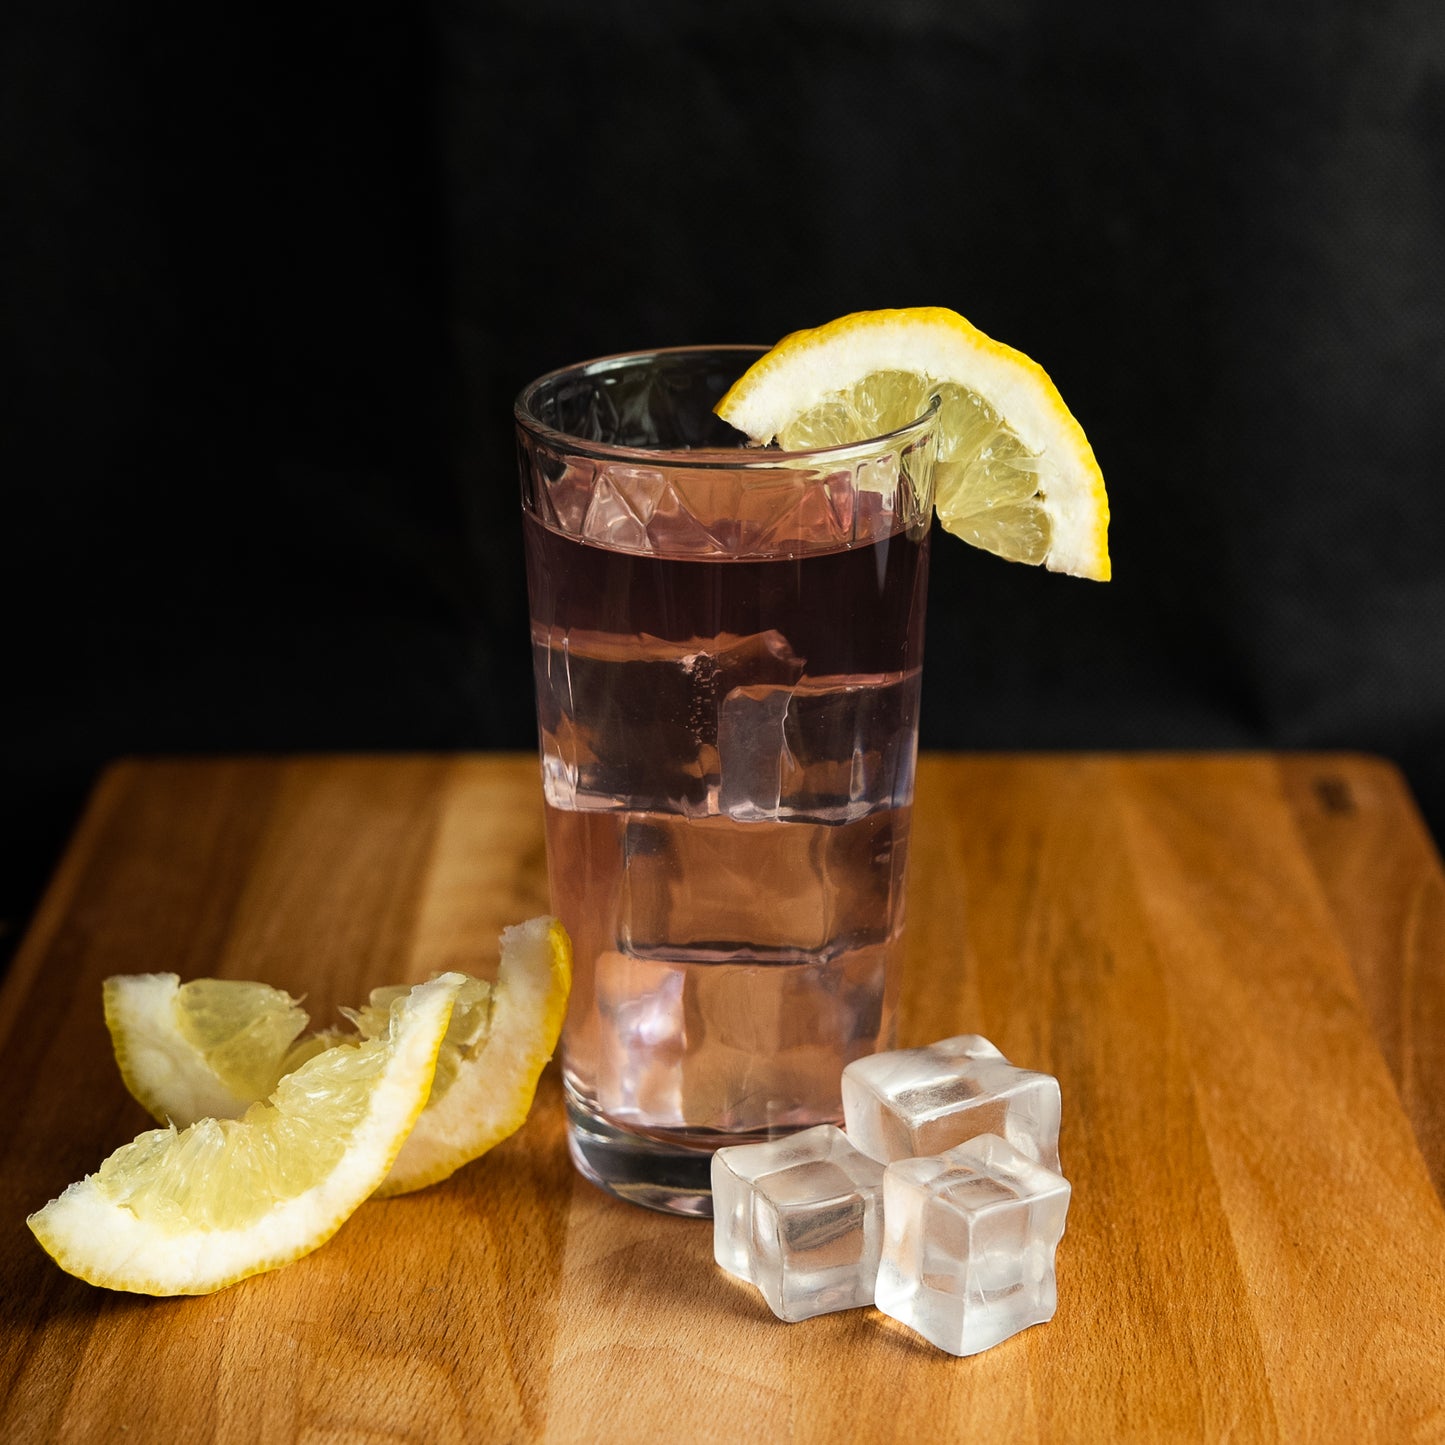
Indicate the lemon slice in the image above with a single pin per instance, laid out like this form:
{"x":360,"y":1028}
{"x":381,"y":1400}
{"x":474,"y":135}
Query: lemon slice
{"x":191,"y":1211}
{"x":1014,"y":474}
{"x":492,"y":1059}
{"x":204,"y":1049}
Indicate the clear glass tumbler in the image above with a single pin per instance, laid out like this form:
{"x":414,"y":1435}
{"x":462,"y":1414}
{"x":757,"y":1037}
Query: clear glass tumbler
{"x":727,"y":645}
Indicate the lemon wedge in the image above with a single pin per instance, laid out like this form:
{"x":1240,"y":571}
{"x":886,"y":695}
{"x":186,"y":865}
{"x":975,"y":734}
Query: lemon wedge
{"x":208,"y":1048}
{"x":212,"y":1047}
{"x":190,"y":1211}
{"x":1014,"y":473}
{"x":493,"y":1056}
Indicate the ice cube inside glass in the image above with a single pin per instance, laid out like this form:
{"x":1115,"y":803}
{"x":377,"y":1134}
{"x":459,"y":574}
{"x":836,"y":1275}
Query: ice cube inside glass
{"x":911,"y":1103}
{"x":969,"y":1244}
{"x":800,"y":1218}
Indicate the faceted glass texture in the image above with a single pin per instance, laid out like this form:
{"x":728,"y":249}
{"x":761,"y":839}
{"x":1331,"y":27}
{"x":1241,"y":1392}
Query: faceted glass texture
{"x":800,"y":1218}
{"x":969,"y":1244}
{"x":626,"y":453}
{"x":911,"y":1103}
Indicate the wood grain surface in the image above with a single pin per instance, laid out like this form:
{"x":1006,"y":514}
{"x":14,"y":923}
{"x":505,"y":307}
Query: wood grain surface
{"x":1235,"y":965}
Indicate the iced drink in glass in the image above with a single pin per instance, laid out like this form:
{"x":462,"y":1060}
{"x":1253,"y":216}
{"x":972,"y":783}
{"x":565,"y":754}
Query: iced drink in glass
{"x":727,"y":644}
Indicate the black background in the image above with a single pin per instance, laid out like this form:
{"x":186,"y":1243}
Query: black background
{"x":270,"y":287}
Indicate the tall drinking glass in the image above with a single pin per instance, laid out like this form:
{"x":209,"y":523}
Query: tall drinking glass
{"x":727,"y":644}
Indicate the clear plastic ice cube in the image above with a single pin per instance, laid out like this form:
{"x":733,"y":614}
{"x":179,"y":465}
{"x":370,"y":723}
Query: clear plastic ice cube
{"x":800,"y":1218}
{"x":969,"y":1243}
{"x":910,"y":1103}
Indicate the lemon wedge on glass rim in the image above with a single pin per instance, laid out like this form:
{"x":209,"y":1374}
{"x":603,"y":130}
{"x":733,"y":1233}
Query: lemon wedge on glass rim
{"x":1014,"y":472}
{"x":215,"y":1046}
{"x":190,"y":1211}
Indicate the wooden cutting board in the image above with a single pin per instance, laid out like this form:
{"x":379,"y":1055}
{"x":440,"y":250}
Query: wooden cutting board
{"x":1235,"y":965}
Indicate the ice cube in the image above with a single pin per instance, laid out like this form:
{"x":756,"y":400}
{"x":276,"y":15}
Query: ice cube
{"x":801,"y":1219}
{"x":969,"y":1242}
{"x":826,"y":748}
{"x":731,"y":1047}
{"x":631,"y":720}
{"x":909,"y":1103}
{"x":750,"y":751}
{"x":713,"y":890}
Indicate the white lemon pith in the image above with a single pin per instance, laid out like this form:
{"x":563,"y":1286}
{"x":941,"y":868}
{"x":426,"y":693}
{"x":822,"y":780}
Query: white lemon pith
{"x":191,"y":1211}
{"x":1015,"y":473}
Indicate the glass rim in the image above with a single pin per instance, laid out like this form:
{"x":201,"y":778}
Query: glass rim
{"x":745,"y":457}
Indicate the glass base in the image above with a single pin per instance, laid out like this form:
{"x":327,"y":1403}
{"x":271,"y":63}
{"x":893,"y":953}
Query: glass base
{"x":638,"y":1169}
